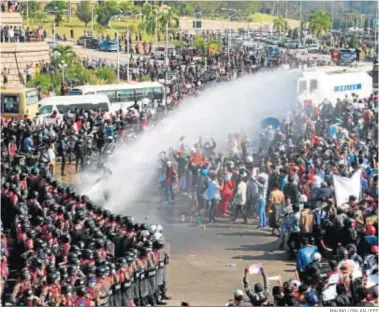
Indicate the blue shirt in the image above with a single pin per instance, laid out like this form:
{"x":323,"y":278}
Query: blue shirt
{"x":212,"y":191}
{"x":372,"y":240}
{"x":332,"y":131}
{"x":28,"y":144}
{"x":304,"y":257}
{"x":283,"y":182}
{"x":110,"y":131}
{"x":364,"y":185}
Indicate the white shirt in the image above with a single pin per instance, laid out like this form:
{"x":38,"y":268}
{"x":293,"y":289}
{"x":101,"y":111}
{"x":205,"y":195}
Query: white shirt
{"x":51,"y":155}
{"x":240,"y":198}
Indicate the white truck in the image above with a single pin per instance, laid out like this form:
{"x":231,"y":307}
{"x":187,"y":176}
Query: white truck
{"x":316,"y":85}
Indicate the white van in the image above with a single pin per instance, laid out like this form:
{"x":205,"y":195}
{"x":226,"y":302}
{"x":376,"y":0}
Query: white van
{"x":61,"y":104}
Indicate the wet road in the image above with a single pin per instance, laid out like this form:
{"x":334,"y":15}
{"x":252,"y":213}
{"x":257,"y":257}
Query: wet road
{"x":207,"y":262}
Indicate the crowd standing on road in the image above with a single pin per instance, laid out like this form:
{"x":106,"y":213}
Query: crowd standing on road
{"x":287,"y":185}
{"x":72,"y":252}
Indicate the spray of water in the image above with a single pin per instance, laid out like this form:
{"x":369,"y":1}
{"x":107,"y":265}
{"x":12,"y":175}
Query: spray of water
{"x":226,"y":108}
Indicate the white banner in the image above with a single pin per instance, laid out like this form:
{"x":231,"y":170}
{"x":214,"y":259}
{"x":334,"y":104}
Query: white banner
{"x":345,"y":187}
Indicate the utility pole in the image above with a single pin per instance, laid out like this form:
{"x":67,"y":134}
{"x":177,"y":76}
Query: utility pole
{"x":286,"y":9}
{"x":301,"y":21}
{"x":166,"y":54}
{"x":127,"y":54}
{"x":68,"y":11}
{"x":27,"y":12}
{"x":331,"y":26}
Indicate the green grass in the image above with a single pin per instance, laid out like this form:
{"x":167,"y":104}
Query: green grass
{"x":79,"y":27}
{"x":265,"y":18}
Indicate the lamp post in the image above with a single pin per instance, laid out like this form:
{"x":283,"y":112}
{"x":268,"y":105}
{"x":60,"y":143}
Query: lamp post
{"x":27,"y":12}
{"x":118,"y":48}
{"x":128,"y":46}
{"x":231,"y":13}
{"x":62,"y":65}
{"x":92,"y":17}
{"x":54,"y":30}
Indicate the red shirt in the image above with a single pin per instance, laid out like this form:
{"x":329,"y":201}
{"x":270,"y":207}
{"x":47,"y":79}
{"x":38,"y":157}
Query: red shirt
{"x":169,"y":175}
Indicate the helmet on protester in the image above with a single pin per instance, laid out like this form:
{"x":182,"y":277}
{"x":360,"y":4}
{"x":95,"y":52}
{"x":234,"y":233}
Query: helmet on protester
{"x":316,"y":257}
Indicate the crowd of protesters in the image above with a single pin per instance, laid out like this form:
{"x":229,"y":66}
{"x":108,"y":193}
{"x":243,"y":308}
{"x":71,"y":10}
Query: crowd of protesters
{"x":10,"y":6}
{"x":71,"y":252}
{"x":13,"y":34}
{"x":287,"y":185}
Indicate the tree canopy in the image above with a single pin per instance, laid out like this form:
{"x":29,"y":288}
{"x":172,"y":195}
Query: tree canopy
{"x":105,"y":11}
{"x":57,"y":8}
{"x":84,"y":12}
{"x":319,"y":23}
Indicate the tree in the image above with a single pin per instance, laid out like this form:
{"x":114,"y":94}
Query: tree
{"x":290,"y":33}
{"x":149,"y":16}
{"x":57,"y":8}
{"x":84,"y":12}
{"x":295,"y":33}
{"x":344,"y":41}
{"x":38,"y":17}
{"x":64,"y":53}
{"x":280,"y":25}
{"x":106,"y":73}
{"x":105,"y":11}
{"x":353,"y":41}
{"x":167,"y":16}
{"x":127,"y":7}
{"x":319,"y":23}
{"x":31,"y":8}
{"x":100,"y":30}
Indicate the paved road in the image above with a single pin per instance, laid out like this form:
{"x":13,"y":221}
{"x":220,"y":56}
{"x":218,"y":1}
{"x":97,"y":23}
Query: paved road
{"x":198,"y":271}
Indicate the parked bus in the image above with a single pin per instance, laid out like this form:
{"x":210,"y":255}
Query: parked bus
{"x":53,"y":108}
{"x":124,"y":95}
{"x":19,"y":103}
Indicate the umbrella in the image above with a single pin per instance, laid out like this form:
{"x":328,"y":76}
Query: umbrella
{"x":274,"y":122}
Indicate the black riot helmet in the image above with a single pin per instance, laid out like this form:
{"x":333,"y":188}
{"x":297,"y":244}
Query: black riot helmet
{"x":66,"y":289}
{"x":52,"y":278}
{"x":81,"y":291}
{"x":101,"y":271}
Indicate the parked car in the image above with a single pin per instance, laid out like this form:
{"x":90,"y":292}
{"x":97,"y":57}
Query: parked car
{"x":313,"y":48}
{"x":81,"y":40}
{"x":302,"y":50}
{"x":108,"y":45}
{"x":159,"y":53}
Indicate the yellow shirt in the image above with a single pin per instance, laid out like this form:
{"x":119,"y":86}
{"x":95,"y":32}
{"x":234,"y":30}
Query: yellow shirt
{"x":277,"y":197}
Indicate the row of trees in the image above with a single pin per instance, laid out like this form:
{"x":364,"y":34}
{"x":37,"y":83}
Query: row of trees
{"x":74,"y":72}
{"x":318,"y":24}
{"x":152,"y":17}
